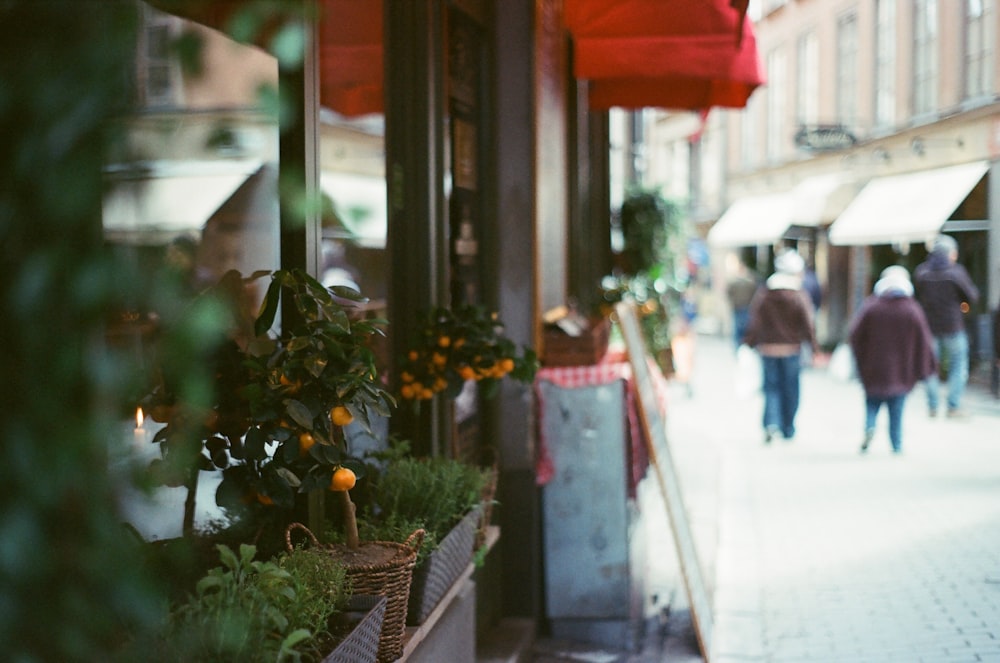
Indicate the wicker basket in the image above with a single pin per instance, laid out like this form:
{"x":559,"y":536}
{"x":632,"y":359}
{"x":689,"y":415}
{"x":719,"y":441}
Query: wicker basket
{"x":434,"y":576}
{"x":390,"y":579}
{"x":366,"y":612}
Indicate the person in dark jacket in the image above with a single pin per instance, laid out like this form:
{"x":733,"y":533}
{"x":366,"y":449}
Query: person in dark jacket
{"x":945,"y":291}
{"x":740,"y":291}
{"x":781,"y":320}
{"x":995,"y":373}
{"x":893,"y":349}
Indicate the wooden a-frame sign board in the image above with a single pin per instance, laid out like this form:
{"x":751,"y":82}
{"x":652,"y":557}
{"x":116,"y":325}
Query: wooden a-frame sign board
{"x":666,"y":476}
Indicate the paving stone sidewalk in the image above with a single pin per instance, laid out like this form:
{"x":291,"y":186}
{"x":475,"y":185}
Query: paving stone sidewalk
{"x":824,"y":554}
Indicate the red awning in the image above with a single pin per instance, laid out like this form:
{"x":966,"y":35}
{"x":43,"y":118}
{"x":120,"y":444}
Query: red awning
{"x":351,"y":60}
{"x":664,"y":53}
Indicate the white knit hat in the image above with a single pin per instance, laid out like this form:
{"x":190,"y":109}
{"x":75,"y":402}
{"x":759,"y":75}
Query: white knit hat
{"x":894,"y":279}
{"x":789,"y":262}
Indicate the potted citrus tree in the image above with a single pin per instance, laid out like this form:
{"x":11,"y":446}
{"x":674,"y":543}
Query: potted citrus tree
{"x":272,"y":422}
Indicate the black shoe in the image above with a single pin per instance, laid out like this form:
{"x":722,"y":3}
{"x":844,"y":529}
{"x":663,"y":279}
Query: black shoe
{"x":769,"y":434}
{"x":867,"y":441}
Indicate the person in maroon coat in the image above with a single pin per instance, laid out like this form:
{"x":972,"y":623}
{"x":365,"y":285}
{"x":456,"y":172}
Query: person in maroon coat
{"x":893,"y":349}
{"x":781,"y":321}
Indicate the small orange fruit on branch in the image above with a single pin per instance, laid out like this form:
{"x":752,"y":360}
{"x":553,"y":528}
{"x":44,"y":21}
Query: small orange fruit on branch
{"x":343,"y":479}
{"x":340,"y":415}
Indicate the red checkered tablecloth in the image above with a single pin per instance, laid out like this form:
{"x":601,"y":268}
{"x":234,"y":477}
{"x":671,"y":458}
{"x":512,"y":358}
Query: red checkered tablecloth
{"x":614,"y":367}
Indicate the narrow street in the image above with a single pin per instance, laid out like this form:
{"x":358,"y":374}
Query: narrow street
{"x":817,"y":553}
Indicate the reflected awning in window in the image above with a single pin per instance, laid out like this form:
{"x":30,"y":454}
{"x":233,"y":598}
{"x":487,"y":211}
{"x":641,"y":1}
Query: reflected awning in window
{"x":351,"y":76}
{"x":171,"y":198}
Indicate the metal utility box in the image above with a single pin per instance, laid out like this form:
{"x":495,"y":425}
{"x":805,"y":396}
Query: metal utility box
{"x":593,"y":536}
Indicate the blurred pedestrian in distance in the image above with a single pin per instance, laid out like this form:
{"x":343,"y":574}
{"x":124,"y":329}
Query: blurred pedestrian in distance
{"x":995,"y":373}
{"x":781,"y":320}
{"x":893,"y":349}
{"x":739,"y":292}
{"x":810,"y":283}
{"x":945,"y":291}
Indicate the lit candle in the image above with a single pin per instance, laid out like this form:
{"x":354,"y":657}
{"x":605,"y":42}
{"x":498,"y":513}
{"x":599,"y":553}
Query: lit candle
{"x":140,"y":431}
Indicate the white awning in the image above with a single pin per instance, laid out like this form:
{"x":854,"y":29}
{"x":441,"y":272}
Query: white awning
{"x":820,"y":199}
{"x":752,"y":221}
{"x":907,"y":208}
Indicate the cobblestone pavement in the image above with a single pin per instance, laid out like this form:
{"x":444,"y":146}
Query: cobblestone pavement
{"x":816,"y":553}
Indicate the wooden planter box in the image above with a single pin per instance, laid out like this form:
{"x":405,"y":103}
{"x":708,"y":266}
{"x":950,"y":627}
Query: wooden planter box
{"x":434,"y":576}
{"x":360,"y":645}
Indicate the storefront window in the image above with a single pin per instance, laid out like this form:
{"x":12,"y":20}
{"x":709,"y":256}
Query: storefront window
{"x":352,"y":180}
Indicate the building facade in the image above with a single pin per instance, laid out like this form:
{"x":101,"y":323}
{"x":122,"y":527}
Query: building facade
{"x":877,"y":128}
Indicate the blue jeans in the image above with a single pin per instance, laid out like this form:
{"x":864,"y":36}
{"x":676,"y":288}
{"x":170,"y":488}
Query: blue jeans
{"x":741,"y":316}
{"x":781,"y":393}
{"x":894,"y":404}
{"x":955,"y":350}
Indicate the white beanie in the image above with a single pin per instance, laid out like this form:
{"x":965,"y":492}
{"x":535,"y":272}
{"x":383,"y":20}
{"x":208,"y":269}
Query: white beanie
{"x":789,"y":262}
{"x":894,"y":280}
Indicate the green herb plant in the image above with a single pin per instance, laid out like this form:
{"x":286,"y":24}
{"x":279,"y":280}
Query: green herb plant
{"x":431,"y":493}
{"x":250,"y":610}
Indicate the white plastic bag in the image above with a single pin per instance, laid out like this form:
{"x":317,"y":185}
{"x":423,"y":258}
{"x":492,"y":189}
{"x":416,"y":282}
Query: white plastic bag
{"x":841,"y":364}
{"x":749,"y":372}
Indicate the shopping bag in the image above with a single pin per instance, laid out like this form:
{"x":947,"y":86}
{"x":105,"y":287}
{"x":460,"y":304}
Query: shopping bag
{"x":841,"y":364}
{"x":749,"y":372}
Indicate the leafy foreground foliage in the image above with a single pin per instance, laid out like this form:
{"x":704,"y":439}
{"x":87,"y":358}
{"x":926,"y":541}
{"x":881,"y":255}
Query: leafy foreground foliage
{"x":72,"y":583}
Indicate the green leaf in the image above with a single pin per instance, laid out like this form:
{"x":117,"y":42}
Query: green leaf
{"x":313,"y":482}
{"x":209,"y":583}
{"x":268,"y":308}
{"x":295,"y":638}
{"x":247,"y":553}
{"x":327,"y":454}
{"x":355,"y":465}
{"x":256,"y":444}
{"x":298,"y":343}
{"x":290,"y":478}
{"x":301,"y":414}
{"x":289,"y":451}
{"x":346,"y":292}
{"x":228,"y":557}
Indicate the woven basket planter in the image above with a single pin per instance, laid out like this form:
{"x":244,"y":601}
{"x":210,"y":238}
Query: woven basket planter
{"x":381,"y":568}
{"x":360,"y":645}
{"x":435,"y":575}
